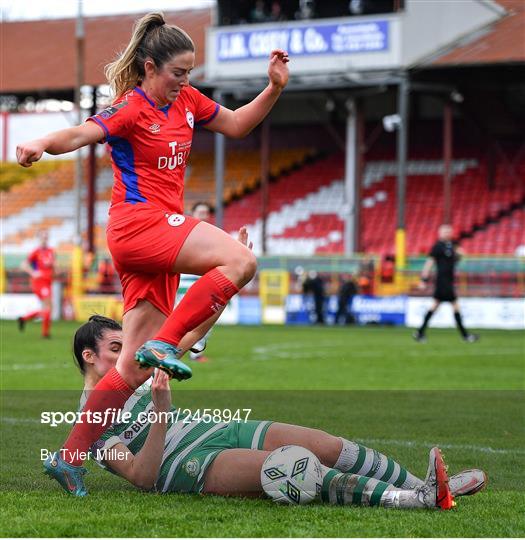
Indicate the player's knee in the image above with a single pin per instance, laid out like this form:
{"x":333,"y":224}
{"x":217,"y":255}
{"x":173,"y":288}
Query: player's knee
{"x":326,"y":447}
{"x":244,"y":265}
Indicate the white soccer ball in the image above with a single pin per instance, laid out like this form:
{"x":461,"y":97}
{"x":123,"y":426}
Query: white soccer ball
{"x":292,"y":474}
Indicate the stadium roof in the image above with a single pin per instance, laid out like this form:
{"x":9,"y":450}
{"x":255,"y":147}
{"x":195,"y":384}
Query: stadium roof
{"x":39,"y":56}
{"x":500,"y":42}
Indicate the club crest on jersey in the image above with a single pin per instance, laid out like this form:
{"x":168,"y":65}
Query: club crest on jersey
{"x":189,"y":118}
{"x":176,"y":219}
{"x":154,"y":128}
{"x":192,"y":467}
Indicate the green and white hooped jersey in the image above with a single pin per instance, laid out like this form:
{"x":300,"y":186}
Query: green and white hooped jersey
{"x":182,"y":436}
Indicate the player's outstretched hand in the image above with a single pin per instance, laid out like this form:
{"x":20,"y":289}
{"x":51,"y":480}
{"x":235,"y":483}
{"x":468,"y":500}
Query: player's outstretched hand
{"x":242,"y":237}
{"x":278,"y":70}
{"x":29,"y":152}
{"x":161,"y":391}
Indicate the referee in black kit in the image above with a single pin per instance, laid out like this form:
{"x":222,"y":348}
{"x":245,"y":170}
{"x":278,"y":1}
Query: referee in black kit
{"x":445,"y":255}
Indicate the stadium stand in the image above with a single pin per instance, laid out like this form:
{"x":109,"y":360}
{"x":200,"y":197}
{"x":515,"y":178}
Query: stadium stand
{"x":241,"y":175}
{"x":47,"y":201}
{"x":306,"y":210}
{"x":306,"y":207}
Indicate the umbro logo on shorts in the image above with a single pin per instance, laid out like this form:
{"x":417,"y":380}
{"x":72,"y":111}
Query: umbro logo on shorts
{"x":175,"y":219}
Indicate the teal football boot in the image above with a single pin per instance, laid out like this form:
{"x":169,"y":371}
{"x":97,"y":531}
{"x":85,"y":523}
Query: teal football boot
{"x":164,"y":356}
{"x":70,"y":477}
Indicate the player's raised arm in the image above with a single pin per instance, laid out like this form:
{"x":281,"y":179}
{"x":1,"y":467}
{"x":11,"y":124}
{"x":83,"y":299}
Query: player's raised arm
{"x":239,"y":123}
{"x":58,"y":142}
{"x":142,"y":469}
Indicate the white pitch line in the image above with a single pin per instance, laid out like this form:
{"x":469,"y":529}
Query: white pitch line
{"x":394,"y":442}
{"x":14,"y":420}
{"x":472,"y":447}
{"x":28,"y":366}
{"x":269,"y":352}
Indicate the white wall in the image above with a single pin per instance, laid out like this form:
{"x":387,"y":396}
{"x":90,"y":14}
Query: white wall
{"x":429,"y":25}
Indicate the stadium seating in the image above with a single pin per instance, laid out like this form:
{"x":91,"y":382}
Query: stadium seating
{"x":306,"y":203}
{"x":306,"y":208}
{"x":504,"y":236}
{"x":242,"y":172}
{"x":49,"y":202}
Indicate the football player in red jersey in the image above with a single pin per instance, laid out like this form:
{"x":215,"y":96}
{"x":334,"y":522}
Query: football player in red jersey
{"x":149,"y":128}
{"x":40,"y":266}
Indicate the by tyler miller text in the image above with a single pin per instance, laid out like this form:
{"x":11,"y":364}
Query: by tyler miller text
{"x":100,"y":454}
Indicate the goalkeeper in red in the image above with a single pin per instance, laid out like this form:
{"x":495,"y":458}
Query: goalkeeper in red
{"x":149,"y":129}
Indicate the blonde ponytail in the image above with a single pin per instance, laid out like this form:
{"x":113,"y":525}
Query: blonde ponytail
{"x":151,"y":38}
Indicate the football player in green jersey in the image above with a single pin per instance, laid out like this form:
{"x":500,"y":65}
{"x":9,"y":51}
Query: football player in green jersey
{"x":173,"y":454}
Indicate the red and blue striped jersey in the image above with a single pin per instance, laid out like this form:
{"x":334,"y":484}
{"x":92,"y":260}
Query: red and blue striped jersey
{"x":150,"y":145}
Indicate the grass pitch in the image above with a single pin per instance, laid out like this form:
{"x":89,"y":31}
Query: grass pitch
{"x":373,"y":385}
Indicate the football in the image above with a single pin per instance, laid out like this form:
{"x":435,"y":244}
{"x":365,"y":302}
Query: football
{"x":292,"y":474}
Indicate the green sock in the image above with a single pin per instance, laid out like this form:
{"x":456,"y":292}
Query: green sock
{"x":347,"y":488}
{"x":358,"y":459}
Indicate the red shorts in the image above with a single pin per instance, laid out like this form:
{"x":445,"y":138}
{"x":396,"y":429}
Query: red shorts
{"x":144,"y":242}
{"x":41,"y":287}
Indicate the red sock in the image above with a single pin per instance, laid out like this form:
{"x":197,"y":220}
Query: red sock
{"x":111,"y":392}
{"x":32,"y":315}
{"x":46,"y":322}
{"x":204,"y":298}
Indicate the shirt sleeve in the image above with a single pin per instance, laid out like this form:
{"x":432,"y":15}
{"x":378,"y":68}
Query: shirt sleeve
{"x":108,"y":440}
{"x":205,"y":108}
{"x":116,"y":120}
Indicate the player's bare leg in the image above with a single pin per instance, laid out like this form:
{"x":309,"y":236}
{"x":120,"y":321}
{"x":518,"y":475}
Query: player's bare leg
{"x":246,"y":482}
{"x":325,"y":446}
{"x":208,"y":247}
{"x":225,"y":265}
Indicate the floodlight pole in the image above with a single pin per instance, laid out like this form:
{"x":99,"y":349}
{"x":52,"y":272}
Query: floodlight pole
{"x":402,"y":138}
{"x":351,"y":198}
{"x":219,"y":170}
{"x":79,"y":34}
